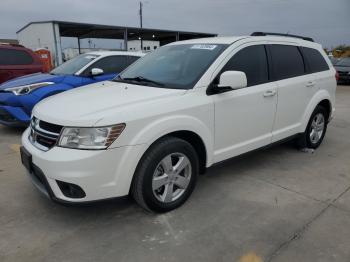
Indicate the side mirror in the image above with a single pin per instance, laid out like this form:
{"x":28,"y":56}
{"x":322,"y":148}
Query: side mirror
{"x":231,"y":80}
{"x":96,"y":72}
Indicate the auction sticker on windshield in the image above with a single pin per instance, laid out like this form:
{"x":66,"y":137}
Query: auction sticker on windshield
{"x":205,"y":47}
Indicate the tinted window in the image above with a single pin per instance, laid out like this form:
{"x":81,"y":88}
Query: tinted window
{"x":253,"y":62}
{"x":132,"y":59}
{"x":110,"y":64}
{"x":315,"y":61}
{"x":14,"y":57}
{"x":287,"y":61}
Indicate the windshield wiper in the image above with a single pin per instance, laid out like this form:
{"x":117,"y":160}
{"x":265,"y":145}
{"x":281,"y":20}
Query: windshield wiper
{"x":141,"y":79}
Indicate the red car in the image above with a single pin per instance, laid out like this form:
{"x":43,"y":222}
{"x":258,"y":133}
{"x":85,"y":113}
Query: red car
{"x":16,"y":60}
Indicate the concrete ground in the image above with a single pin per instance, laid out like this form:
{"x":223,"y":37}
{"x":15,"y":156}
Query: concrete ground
{"x":277,"y":204}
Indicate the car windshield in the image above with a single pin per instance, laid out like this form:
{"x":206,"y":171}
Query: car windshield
{"x":172,"y":66}
{"x":344,"y":62}
{"x":74,"y":65}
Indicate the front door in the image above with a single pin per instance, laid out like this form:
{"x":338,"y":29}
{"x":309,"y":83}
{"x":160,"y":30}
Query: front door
{"x":244,"y":118}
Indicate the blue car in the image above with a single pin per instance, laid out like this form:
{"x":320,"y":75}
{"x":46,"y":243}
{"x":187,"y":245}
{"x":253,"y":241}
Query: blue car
{"x":20,"y":95}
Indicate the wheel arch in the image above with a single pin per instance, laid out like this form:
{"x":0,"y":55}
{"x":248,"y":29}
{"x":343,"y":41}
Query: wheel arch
{"x":194,"y":140}
{"x":327,"y":105}
{"x":321,"y":98}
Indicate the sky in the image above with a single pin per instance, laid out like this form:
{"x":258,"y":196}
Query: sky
{"x":327,"y":21}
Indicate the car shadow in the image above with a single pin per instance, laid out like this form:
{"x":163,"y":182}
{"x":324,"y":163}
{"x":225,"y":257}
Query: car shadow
{"x":8,"y":130}
{"x":243,"y":163}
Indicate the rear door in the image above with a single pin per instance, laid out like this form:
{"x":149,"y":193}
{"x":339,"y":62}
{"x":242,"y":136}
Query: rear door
{"x":295,"y":88}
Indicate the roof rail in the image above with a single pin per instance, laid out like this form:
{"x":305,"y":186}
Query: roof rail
{"x":278,"y":34}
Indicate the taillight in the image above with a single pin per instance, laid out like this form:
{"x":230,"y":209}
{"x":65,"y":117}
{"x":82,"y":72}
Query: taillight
{"x":337,"y":76}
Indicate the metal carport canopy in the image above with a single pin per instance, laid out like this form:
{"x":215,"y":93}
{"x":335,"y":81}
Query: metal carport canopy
{"x":83,"y":30}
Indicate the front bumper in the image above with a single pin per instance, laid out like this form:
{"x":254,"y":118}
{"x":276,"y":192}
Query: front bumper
{"x":13,"y":110}
{"x":13,"y":116}
{"x":101,"y":174}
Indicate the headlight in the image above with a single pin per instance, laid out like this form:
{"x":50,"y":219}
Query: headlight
{"x":90,"y":137}
{"x":26,"y":89}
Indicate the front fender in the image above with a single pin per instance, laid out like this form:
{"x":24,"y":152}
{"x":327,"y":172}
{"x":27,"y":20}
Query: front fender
{"x":316,"y":99}
{"x":141,"y":140}
{"x":152,"y":131}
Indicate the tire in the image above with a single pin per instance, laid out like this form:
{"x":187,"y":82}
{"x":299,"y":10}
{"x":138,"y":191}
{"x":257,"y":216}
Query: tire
{"x":158,"y":185}
{"x":315,"y":130}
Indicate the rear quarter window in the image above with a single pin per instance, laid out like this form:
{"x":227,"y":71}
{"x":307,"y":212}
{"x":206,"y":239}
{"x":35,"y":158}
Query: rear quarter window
{"x":314,"y":60}
{"x":15,"y":57}
{"x":287,"y":61}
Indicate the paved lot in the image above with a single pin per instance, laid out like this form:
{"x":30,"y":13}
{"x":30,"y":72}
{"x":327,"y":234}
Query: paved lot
{"x":277,"y":204}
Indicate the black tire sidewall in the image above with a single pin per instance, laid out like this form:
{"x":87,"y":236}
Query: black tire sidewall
{"x":323,"y":111}
{"x":148,"y":166}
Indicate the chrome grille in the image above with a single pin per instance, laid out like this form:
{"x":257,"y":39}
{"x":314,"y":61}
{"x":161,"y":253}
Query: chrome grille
{"x":43,"y":135}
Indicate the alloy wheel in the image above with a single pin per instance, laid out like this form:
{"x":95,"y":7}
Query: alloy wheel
{"x":171,"y":177}
{"x":317,"y":128}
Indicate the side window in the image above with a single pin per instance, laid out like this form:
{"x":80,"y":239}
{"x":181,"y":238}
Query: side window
{"x":252,"y":61}
{"x":109,"y":65}
{"x":287,"y":61}
{"x":315,"y":61}
{"x":14,"y":57}
{"x":132,"y":59}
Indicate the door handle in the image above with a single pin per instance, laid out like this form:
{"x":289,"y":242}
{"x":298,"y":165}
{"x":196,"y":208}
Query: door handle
{"x":270,"y":93}
{"x":310,"y":84}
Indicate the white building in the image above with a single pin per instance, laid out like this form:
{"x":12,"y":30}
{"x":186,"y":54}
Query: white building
{"x":148,"y":45}
{"x":42,"y":35}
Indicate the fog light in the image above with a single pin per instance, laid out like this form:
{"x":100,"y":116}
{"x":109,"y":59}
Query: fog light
{"x":71,"y":190}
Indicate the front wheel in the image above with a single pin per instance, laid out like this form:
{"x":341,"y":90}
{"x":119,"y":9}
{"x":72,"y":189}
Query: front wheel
{"x":315,"y":130}
{"x":166,"y":175}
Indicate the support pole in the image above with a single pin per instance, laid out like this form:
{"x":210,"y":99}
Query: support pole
{"x":126,"y":39}
{"x":141,"y":5}
{"x":79,"y":46}
{"x":177,"y":36}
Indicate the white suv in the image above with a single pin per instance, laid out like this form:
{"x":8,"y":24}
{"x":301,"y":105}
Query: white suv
{"x":175,"y":112}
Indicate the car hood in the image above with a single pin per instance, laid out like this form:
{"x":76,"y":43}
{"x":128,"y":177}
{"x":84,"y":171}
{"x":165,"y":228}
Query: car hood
{"x":31,"y":79}
{"x":85,"y":106}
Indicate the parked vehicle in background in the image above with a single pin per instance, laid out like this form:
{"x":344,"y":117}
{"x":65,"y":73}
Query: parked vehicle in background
{"x":333,"y":59}
{"x":16,"y":60}
{"x":343,"y":69}
{"x":19,"y":96}
{"x":175,"y":112}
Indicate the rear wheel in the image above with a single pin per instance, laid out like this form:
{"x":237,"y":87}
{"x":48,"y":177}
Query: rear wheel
{"x":166,"y":175}
{"x":315,"y":130}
